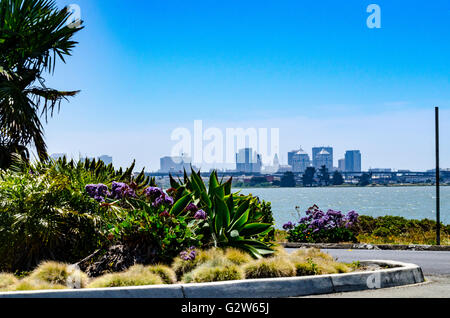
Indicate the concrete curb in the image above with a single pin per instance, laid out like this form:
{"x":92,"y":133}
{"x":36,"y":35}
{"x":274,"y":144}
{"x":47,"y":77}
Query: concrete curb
{"x":350,"y":246}
{"x":396,"y":274}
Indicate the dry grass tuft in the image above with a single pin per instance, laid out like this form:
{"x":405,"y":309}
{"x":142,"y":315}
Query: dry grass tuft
{"x":32,"y":284}
{"x":237,"y":256}
{"x":7,"y":280}
{"x":59,"y":274}
{"x":167,"y":275}
{"x":210,"y":272}
{"x":181,"y":267}
{"x":137,"y":275}
{"x":269,"y":268}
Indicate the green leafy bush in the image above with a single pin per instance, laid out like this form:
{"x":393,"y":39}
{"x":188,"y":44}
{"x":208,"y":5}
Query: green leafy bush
{"x":42,"y":217}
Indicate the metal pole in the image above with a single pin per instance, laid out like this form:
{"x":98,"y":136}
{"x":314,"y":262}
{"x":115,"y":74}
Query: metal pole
{"x":438,"y":207}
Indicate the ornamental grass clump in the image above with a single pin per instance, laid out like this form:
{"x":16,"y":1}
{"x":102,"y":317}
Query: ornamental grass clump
{"x":135,"y":276}
{"x":216,"y":270}
{"x":167,"y":275}
{"x":237,"y":256}
{"x":7,"y":280}
{"x":307,"y":268}
{"x":312,"y":261}
{"x":31,"y":284}
{"x":269,"y":268}
{"x":192,"y":258}
{"x":59,"y":274}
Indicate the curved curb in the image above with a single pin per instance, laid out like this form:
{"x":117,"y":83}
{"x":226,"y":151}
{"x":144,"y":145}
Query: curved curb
{"x":397,"y":274}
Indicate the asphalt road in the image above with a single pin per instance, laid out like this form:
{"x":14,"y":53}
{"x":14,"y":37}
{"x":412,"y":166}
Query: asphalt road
{"x":435,"y":266}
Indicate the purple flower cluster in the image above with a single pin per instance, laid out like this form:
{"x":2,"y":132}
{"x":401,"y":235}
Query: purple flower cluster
{"x":158,"y":197}
{"x":153,"y":192}
{"x":189,"y":255}
{"x":121,"y":190}
{"x":200,"y":215}
{"x":288,"y":226}
{"x":191,"y":208}
{"x":97,"y":191}
{"x":317,"y":220}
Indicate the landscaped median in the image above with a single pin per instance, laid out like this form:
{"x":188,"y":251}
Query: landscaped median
{"x":388,"y":274}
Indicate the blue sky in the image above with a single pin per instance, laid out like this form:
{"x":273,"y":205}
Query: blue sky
{"x":311,"y":68}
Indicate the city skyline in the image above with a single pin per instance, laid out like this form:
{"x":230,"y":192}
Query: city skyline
{"x":320,"y":75}
{"x":248,"y":161}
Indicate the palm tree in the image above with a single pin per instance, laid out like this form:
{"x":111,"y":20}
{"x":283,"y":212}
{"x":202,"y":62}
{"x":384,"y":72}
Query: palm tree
{"x":34,"y":34}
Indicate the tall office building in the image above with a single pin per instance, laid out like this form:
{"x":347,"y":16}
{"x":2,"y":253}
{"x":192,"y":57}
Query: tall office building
{"x":175,"y":164}
{"x":322,"y":156}
{"x":291,"y":155}
{"x":353,"y":161}
{"x":106,"y":159}
{"x":248,"y":161}
{"x":300,"y":161}
{"x":341,"y":165}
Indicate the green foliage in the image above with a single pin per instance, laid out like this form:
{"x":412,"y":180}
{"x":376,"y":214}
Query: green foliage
{"x":43,"y":216}
{"x":301,"y":233}
{"x":232,"y":220}
{"x":338,"y":179}
{"x":324,"y":175}
{"x":34,"y":35}
{"x":288,"y":180}
{"x":308,"y":176}
{"x":46,"y":214}
{"x":394,"y":225}
{"x":365,"y":179}
{"x":167,"y":234}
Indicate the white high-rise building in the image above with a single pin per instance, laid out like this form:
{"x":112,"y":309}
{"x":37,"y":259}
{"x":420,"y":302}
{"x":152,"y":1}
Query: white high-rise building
{"x":324,"y":158}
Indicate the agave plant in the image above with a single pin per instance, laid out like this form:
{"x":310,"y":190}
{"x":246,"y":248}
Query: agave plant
{"x":233,"y":220}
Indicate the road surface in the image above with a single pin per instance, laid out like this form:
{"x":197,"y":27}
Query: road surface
{"x":435,"y":266}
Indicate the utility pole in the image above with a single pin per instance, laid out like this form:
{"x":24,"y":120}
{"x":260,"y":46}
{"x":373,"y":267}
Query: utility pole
{"x":438,"y":205}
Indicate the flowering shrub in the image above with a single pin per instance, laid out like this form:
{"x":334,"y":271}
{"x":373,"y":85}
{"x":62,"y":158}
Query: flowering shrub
{"x":320,"y":227}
